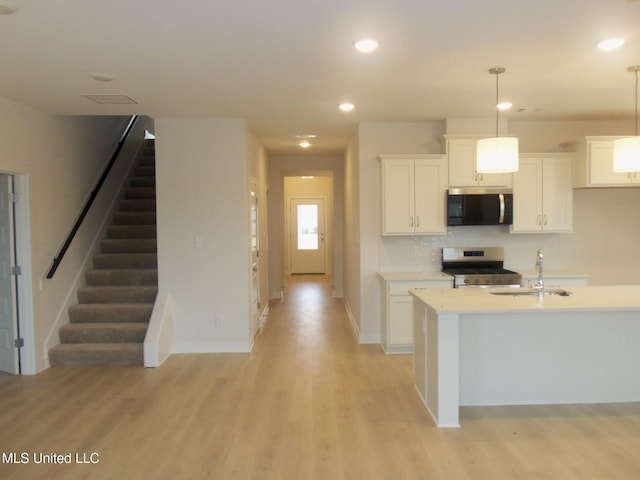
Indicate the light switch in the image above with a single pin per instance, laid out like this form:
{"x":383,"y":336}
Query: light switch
{"x":198,"y":241}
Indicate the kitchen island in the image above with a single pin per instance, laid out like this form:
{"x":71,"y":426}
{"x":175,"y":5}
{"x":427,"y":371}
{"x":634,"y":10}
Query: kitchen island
{"x":472,"y":347}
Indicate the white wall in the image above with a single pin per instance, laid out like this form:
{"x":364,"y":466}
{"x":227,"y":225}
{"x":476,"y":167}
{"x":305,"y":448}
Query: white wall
{"x":59,"y":159}
{"x":375,"y":139}
{"x":603,"y":245}
{"x":281,"y":166}
{"x":203,"y":232}
{"x":351,"y":234}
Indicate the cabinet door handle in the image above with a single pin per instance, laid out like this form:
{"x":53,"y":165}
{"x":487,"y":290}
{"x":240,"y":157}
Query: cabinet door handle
{"x":545,"y":218}
{"x":411,"y":221}
{"x":417,"y":221}
{"x":539,"y":222}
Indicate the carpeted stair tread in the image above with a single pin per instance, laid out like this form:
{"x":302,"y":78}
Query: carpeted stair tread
{"x":137,"y":182}
{"x":134,"y":218}
{"x":132,"y":231}
{"x":137,"y":205}
{"x":118,"y":294}
{"x":134,"y":193}
{"x":121,"y":332}
{"x":129,"y":245}
{"x":125,"y":260}
{"x":122,"y":276}
{"x":145,"y":171}
{"x":110,"y":312}
{"x":92,"y":354}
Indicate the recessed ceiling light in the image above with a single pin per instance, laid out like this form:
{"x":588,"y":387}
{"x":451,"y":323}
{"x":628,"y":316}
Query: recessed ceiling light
{"x":346,"y":107}
{"x":102,"y":77}
{"x":504,"y":105}
{"x":7,"y":8}
{"x":610,"y":44}
{"x":303,"y":136}
{"x":304,"y":144}
{"x":366,"y":45}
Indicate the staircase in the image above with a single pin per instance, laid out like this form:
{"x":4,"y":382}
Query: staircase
{"x":108,"y":325}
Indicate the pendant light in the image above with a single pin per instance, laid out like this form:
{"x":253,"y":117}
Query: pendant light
{"x":626,"y":151}
{"x":497,"y":154}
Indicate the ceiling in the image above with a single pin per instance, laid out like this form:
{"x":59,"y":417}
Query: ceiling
{"x":285,"y":65}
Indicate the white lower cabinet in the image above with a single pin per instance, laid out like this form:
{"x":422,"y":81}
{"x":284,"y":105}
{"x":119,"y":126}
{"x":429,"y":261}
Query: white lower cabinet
{"x":397,"y":312}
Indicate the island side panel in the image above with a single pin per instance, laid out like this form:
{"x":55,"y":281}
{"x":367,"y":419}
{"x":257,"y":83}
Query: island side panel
{"x":549,"y":357}
{"x":435,"y":363}
{"x":419,"y":349}
{"x":443,"y":392}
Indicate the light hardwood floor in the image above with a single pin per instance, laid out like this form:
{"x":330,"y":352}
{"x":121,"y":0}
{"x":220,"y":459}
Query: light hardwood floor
{"x":307,"y":403}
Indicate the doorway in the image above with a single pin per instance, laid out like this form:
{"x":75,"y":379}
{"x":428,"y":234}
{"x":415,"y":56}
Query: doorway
{"x":303,"y":186}
{"x":307,"y":222}
{"x":9,"y":326}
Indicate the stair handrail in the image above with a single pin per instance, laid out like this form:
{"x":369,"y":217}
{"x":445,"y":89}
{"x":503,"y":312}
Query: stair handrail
{"x":65,"y":246}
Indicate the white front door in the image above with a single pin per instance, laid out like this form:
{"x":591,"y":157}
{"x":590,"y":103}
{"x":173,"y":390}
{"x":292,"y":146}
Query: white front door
{"x":9,"y":361}
{"x":307,"y":224}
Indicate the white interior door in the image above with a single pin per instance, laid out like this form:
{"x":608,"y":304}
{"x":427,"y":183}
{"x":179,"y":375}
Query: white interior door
{"x":9,"y":361}
{"x":307,"y":226}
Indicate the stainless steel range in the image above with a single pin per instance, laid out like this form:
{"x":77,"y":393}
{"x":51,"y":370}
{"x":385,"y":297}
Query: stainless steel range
{"x":478,"y":267}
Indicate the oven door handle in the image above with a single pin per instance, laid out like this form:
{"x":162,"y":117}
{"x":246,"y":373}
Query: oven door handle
{"x":501,"y":197}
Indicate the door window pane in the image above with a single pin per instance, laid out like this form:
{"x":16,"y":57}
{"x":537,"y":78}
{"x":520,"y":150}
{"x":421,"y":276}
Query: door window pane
{"x":307,"y":227}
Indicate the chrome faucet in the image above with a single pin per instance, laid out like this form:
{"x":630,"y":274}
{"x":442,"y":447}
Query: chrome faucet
{"x":539,"y":262}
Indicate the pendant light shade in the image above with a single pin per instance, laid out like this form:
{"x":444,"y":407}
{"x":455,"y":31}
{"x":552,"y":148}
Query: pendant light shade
{"x":497,"y":154}
{"x":626,"y":151}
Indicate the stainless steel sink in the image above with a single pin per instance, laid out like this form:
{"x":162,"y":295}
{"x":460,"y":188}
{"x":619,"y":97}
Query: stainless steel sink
{"x":517,"y":292}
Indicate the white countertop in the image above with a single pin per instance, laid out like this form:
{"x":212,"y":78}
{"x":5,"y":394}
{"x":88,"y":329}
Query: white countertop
{"x":413,"y":276}
{"x":480,"y":300}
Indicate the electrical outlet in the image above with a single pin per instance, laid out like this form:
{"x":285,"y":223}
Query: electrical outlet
{"x":218,"y":320}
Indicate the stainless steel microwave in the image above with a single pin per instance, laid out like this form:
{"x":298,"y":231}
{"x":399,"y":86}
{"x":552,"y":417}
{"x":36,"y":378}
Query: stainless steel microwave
{"x":479,"y":206}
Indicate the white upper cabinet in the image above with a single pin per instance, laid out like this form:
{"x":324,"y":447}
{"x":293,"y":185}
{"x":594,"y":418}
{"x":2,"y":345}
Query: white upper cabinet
{"x":413,"y":194}
{"x":594,"y":165}
{"x":543,"y":194}
{"x":461,"y":153}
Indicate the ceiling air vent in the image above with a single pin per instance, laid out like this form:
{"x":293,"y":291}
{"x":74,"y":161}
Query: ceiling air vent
{"x":110,"y":99}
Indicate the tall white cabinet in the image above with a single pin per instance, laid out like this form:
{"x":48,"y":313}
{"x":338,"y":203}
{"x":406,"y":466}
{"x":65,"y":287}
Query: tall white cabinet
{"x":543,"y":194}
{"x":413,"y":194}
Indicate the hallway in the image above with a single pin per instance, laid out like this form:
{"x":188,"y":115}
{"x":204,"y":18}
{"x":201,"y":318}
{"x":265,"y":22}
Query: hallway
{"x":307,"y":403}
